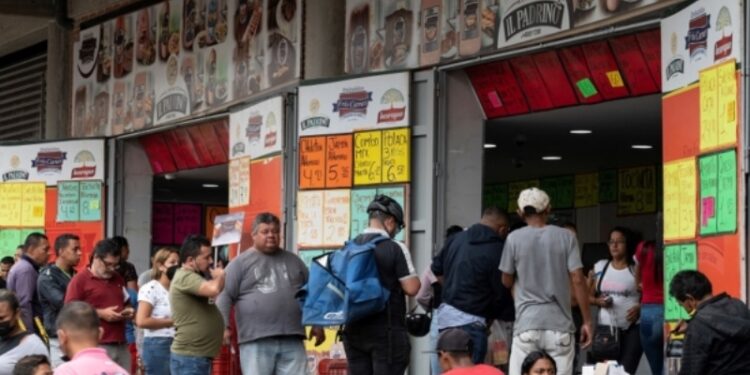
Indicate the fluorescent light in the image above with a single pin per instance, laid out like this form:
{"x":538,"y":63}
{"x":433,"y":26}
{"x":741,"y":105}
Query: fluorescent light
{"x":642,"y":147}
{"x":580,"y":131}
{"x":551,"y":157}
{"x":210,"y":186}
{"x":490,"y":145}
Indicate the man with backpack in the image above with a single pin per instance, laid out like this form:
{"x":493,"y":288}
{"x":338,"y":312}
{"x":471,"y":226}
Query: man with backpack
{"x":378,"y":344}
{"x":261,"y":284}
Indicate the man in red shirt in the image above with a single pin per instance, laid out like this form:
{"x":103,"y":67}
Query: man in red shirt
{"x":104,"y":289}
{"x":454,"y":348}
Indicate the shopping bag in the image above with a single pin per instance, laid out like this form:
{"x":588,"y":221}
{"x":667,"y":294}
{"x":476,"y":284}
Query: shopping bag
{"x":499,"y":342}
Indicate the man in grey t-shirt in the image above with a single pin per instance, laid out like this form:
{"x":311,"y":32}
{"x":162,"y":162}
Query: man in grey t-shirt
{"x":542,"y":260}
{"x":260,"y":284}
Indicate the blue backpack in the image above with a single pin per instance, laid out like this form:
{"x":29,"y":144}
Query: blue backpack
{"x":344,"y":286}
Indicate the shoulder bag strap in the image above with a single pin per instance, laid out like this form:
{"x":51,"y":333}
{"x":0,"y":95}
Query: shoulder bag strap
{"x":601,"y":278}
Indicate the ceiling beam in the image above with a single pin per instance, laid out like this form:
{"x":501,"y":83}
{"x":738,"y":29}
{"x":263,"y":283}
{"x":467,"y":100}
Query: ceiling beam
{"x":34,"y":8}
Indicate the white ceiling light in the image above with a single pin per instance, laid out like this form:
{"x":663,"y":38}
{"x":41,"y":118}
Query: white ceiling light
{"x":210,"y":186}
{"x":580,"y":131}
{"x":551,"y":157}
{"x":490,"y":145}
{"x":642,"y":147}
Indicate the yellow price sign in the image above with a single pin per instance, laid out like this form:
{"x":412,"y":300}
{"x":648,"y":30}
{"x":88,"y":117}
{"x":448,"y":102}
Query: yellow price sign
{"x":33,"y":204}
{"x":709,"y":109}
{"x":726,"y":120}
{"x":615,"y":79}
{"x":11,"y":196}
{"x":396,"y":156}
{"x":368,"y":157}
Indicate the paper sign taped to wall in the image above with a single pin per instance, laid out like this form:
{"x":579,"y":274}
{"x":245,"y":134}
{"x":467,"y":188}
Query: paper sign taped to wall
{"x":91,"y":200}
{"x":33,"y":204}
{"x":11,"y":203}
{"x":368,"y":160}
{"x":396,"y":155}
{"x":677,"y":258}
{"x":336,"y":210}
{"x":68,"y":201}
{"x":680,"y":196}
{"x":312,"y":162}
{"x":310,"y":219}
{"x":360,"y":199}
{"x":338,"y":161}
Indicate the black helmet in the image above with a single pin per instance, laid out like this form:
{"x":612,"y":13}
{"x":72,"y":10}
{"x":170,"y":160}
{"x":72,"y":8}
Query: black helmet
{"x":418,"y":324}
{"x":387,"y":205}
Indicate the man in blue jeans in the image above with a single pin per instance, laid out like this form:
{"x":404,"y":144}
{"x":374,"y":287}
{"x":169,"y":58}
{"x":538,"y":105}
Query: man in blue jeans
{"x":473,"y":293}
{"x":260,"y":285}
{"x":198,"y":323}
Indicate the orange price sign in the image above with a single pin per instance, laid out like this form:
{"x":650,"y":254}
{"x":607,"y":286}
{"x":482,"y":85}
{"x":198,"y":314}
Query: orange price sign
{"x":312,"y":162}
{"x":339,"y":154}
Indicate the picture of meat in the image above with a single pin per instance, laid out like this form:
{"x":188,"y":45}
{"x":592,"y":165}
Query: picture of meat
{"x":123,"y":42}
{"x":146,"y":26}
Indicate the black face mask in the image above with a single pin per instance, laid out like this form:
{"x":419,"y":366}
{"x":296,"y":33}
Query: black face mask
{"x":6,"y":328}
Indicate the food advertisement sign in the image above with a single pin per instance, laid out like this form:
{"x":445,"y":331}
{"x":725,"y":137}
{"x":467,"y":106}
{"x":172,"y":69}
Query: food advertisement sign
{"x":257,"y":131}
{"x":590,"y":11}
{"x":180,"y":58}
{"x":702,"y":35}
{"x":53,"y":161}
{"x":374,"y":102}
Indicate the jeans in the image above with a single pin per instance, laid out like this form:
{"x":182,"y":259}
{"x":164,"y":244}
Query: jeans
{"x":652,"y":336}
{"x":478,"y":334}
{"x":189,"y":365}
{"x":434,"y":361}
{"x":368,"y":352}
{"x":559,"y":345}
{"x":156,"y":355}
{"x":274,"y":356}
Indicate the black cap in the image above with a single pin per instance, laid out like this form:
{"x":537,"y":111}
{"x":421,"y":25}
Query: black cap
{"x":389,"y":206}
{"x":453,"y":340}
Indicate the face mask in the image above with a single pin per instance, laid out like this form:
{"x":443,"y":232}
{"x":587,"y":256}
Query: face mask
{"x":6,"y":328}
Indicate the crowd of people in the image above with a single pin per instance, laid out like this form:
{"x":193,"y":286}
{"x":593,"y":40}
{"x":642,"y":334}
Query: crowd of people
{"x":529,"y":278}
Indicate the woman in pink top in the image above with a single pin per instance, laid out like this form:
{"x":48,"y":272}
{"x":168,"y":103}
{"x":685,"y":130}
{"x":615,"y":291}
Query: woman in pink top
{"x":650,"y":276}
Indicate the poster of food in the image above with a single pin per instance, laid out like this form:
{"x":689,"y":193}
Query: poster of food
{"x":181,"y":58}
{"x":381,"y":35}
{"x":525,"y":20}
{"x":590,"y":11}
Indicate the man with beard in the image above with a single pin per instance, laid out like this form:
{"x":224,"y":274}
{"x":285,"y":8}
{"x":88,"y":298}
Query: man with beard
{"x":103,"y":288}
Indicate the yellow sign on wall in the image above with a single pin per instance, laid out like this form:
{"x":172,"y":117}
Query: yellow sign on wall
{"x":515,"y":188}
{"x":32,"y":213}
{"x":586,"y":190}
{"x":396,"y":155}
{"x":680,"y":199}
{"x":718,"y":106}
{"x":368,"y":158}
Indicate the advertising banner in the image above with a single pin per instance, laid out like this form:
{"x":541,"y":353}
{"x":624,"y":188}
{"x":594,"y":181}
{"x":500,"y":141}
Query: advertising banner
{"x":180,"y":58}
{"x":524,"y":20}
{"x":591,"y":11}
{"x":53,"y":161}
{"x":701,"y":35}
{"x":257,"y":131}
{"x":358,"y":104}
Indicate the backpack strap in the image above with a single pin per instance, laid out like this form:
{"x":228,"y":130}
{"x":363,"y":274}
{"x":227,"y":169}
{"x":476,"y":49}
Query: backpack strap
{"x":601,"y":278}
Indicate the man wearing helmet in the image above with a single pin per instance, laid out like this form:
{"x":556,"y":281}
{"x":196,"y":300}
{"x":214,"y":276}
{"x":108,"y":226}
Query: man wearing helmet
{"x":379,"y":344}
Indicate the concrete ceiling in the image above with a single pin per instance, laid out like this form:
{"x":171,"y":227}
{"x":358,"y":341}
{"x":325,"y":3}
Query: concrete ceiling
{"x":616,"y":125}
{"x":187,"y":186}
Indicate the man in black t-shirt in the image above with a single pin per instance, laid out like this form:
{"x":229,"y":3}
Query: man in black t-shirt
{"x":379,"y":343}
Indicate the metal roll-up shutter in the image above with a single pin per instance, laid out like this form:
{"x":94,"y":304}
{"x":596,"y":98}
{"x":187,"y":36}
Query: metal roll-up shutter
{"x":22,"y":97}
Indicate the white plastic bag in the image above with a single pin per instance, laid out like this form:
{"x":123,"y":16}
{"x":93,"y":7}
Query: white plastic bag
{"x":499,"y":343}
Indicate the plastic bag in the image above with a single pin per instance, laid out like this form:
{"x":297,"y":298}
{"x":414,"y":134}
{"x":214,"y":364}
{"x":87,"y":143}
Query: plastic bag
{"x":499,"y":343}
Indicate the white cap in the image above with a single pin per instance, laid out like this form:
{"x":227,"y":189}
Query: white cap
{"x":535,"y":198}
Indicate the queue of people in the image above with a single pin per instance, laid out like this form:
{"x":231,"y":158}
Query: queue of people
{"x":54,"y":319}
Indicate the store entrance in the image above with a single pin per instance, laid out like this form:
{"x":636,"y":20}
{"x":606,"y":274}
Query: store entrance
{"x":599,"y":164}
{"x":174,"y":183}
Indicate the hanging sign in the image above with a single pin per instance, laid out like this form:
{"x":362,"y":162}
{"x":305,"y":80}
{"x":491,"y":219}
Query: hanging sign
{"x":515,"y":189}
{"x":680,"y":195}
{"x":257,"y":131}
{"x":239,"y":182}
{"x":495,"y":195}
{"x":677,"y":258}
{"x":310,"y":219}
{"x":53,"y":161}
{"x":560,"y":191}
{"x":608,"y":186}
{"x":718,"y":193}
{"x":336,"y":210}
{"x":523,"y":21}
{"x":357,"y":104}
{"x":636,"y":192}
{"x":702,"y":34}
{"x":586,"y":190}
